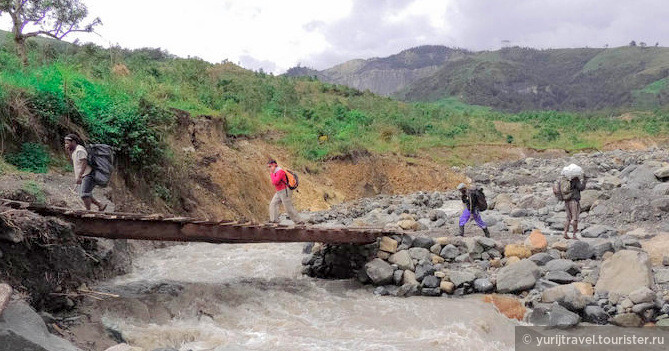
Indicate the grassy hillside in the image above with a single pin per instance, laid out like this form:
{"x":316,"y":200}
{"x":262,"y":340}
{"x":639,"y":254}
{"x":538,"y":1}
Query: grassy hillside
{"x":132,"y":99}
{"x":516,"y":79}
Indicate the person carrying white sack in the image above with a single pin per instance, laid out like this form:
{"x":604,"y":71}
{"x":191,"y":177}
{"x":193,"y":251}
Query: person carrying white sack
{"x":569,"y":190}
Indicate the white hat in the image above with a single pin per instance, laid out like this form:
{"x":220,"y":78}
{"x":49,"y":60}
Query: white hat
{"x":461,"y":186}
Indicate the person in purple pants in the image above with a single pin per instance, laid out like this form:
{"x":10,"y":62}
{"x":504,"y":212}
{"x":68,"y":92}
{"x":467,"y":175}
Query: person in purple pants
{"x":470,"y":211}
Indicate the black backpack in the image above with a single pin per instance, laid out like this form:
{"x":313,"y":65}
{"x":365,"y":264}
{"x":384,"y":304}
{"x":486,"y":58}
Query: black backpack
{"x":101,"y":159}
{"x":477,"y":197}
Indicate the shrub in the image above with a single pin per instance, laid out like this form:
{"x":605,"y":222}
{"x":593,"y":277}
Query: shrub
{"x":32,"y":158}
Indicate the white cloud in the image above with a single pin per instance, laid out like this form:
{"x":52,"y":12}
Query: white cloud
{"x":277,"y":34}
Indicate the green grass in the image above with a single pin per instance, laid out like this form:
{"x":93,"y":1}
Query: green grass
{"x":316,"y":121}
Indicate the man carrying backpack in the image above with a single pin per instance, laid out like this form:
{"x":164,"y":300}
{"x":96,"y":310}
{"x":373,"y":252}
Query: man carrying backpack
{"x":571,"y":195}
{"x":283,"y":194}
{"x":472,"y":209}
{"x":82,"y":171}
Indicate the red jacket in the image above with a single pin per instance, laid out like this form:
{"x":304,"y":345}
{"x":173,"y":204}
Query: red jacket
{"x":279,"y":179}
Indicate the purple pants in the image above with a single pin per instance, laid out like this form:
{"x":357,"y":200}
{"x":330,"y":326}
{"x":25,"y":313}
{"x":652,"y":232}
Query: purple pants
{"x":466,"y":215}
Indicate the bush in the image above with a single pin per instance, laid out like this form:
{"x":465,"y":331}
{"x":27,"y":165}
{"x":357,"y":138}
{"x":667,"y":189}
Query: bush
{"x":32,"y":158}
{"x":548,"y":134}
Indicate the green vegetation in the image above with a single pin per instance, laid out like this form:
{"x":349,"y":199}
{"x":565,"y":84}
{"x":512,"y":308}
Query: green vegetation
{"x":32,"y":158}
{"x":35,"y":190}
{"x":127,"y":99}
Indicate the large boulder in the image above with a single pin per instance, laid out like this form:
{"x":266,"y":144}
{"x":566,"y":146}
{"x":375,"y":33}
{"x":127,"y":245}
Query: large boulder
{"x":568,"y":296}
{"x":518,"y":250}
{"x":536,"y":241}
{"x":553,"y":316}
{"x":460,"y":277}
{"x":449,"y":252}
{"x":423,"y":241}
{"x":517,"y":277}
{"x":579,"y":250}
{"x":563,"y":265}
{"x":624,"y":272}
{"x":662,"y":173}
{"x":402,"y":260}
{"x":420,"y":254}
{"x":21,"y":328}
{"x":379,"y":271}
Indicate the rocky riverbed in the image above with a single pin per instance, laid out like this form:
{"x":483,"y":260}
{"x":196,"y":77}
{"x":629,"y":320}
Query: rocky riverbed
{"x":618,"y":272}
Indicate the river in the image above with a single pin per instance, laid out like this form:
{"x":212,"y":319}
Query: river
{"x":253,"y":297}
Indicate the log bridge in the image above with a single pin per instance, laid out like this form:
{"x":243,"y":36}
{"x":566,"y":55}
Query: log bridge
{"x":115,"y":225}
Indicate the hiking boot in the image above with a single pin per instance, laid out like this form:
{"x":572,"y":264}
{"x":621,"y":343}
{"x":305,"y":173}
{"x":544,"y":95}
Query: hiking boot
{"x":486,"y":232}
{"x":462,"y":231}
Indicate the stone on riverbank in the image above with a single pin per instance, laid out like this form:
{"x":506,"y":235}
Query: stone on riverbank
{"x":379,"y":271}
{"x":517,"y":277}
{"x":625,"y":272}
{"x":518,"y":250}
{"x":553,"y":316}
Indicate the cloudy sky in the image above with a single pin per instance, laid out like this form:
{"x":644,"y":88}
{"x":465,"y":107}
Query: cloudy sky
{"x":277,"y":34}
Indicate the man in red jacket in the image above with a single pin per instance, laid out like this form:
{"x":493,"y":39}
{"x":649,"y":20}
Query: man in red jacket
{"x":283,"y":194}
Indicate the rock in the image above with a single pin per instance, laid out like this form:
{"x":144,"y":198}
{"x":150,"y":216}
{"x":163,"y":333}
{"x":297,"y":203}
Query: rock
{"x":483,"y":285}
{"x":518,"y":212}
{"x":409,"y":277}
{"x":460,"y":277}
{"x":595,"y":314}
{"x":165,"y":349}
{"x":431,"y":292}
{"x":21,"y":328}
{"x":597,"y":231}
{"x":473,"y":246}
{"x":420,"y":254}
{"x":579,"y":250}
{"x":567,"y":296}
{"x":641,"y":178}
{"x":5,"y":295}
{"x":449,"y":252}
{"x":463,"y":258}
{"x":531,"y":202}
{"x":408,"y":290}
{"x":423,"y":270}
{"x":662,"y":323}
{"x":641,"y":295}
{"x":586,"y":289}
{"x":447,"y":287}
{"x":665,"y":260}
{"x":662,"y":276}
{"x":661,"y":204}
{"x":662,"y":174}
{"x":563,"y":265}
{"x":509,"y":306}
{"x":517,"y":277}
{"x":588,"y":199}
{"x":124,"y":347}
{"x":408,"y":224}
{"x":436,"y":259}
{"x":431,"y":282}
{"x":511,"y":260}
{"x":497,"y":263}
{"x":555,"y":316}
{"x":379,"y":271}
{"x":397,"y":277}
{"x":625,"y":272}
{"x":642,"y":307}
{"x":536,"y":241}
{"x":388,"y":245}
{"x":424,"y":242}
{"x":437,"y":214}
{"x":560,"y":277}
{"x":610,"y":182}
{"x":627,"y":320}
{"x":541,"y":258}
{"x":561,"y":245}
{"x":517,"y":250}
{"x":435,"y":249}
{"x":402,"y":260}
{"x":503,"y":203}
{"x":601,"y":247}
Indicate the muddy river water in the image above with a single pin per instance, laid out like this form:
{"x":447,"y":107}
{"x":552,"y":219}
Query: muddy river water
{"x":253,"y":297}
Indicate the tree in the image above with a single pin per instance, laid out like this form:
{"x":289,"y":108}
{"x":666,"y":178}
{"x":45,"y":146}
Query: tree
{"x":632,"y":43}
{"x":51,"y":18}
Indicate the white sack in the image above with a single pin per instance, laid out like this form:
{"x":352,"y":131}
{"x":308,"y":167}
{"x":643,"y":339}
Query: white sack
{"x":572,"y":171}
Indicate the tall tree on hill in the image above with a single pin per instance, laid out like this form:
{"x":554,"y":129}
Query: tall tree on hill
{"x":51,"y":18}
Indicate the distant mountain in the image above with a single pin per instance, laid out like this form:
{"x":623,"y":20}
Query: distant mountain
{"x":387,"y":75}
{"x":515,"y":78}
